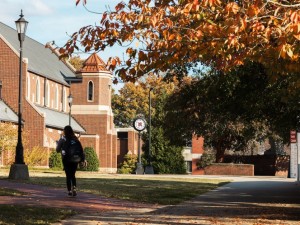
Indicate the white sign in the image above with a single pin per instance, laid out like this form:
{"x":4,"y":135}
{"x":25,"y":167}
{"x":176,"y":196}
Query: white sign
{"x":293,"y":161}
{"x":298,"y":158}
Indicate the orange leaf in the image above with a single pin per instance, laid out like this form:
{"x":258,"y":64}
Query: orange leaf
{"x":171,"y":37}
{"x":294,"y":17}
{"x":113,"y":62}
{"x":253,"y":10}
{"x":232,"y":7}
{"x":154,"y":21}
{"x":297,"y":36}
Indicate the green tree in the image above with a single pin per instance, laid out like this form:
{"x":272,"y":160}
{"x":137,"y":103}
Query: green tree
{"x":166,"y":158}
{"x":134,"y":99}
{"x":230,"y":109}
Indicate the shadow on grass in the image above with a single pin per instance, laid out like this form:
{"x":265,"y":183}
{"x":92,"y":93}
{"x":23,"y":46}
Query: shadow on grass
{"x":154,"y":191}
{"x":25,"y":215}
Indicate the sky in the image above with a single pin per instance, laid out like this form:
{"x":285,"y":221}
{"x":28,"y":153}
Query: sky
{"x":55,"y":20}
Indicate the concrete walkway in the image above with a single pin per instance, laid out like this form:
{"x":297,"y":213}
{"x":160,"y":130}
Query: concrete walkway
{"x":246,"y":200}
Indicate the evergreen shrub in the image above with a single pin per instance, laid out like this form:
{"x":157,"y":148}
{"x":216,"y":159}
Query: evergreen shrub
{"x":129,"y":164}
{"x":92,"y":160}
{"x":55,"y":161}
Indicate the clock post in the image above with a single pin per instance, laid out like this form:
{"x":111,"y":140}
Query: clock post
{"x":139,"y":124}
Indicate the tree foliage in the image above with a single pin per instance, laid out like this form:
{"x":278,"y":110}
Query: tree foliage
{"x":76,"y":62}
{"x":35,"y":156}
{"x":8,"y":136}
{"x":218,"y":33}
{"x":231,"y":109}
{"x":133,"y":99}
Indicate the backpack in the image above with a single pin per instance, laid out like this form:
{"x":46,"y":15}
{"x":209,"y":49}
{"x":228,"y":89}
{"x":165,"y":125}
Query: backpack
{"x":74,"y":152}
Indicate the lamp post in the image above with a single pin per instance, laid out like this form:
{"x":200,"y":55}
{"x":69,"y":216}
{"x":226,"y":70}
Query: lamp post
{"x":139,"y":124}
{"x":70,"y":100}
{"x":298,"y":142}
{"x":0,"y":89}
{"x":149,"y":167}
{"x":19,"y":170}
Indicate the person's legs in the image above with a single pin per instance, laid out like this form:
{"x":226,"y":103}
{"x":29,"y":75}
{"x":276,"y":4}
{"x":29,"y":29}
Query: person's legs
{"x":68,"y":172}
{"x":73,"y":169}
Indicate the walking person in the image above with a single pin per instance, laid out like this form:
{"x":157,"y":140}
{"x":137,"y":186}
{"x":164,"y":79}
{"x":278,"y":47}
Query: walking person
{"x":72,"y":154}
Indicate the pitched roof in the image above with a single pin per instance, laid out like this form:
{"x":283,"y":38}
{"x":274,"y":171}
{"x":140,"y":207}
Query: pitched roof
{"x":56,"y":119}
{"x":93,"y":64}
{"x":41,"y":60}
{"x":7,"y":114}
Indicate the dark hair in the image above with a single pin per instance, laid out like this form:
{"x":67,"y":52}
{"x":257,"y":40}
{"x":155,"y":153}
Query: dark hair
{"x":68,"y":131}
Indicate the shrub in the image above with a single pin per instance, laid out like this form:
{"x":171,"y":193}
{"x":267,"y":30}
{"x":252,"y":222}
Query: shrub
{"x":35,"y":156}
{"x":92,"y":160}
{"x":129,"y":164}
{"x":55,"y":161}
{"x":206,"y":160}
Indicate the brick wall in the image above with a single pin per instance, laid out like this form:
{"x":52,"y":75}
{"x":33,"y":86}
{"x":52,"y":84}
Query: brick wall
{"x":197,"y":145}
{"x":90,"y":141}
{"x":229,"y":169}
{"x":97,"y":124}
{"x":264,"y":165}
{"x":9,"y":67}
{"x":195,"y":170}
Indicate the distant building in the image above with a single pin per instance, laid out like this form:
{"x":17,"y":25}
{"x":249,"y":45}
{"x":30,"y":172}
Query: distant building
{"x":192,"y":153}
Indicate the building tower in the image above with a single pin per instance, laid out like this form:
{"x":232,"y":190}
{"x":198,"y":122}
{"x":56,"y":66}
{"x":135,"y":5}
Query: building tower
{"x":92,"y":109}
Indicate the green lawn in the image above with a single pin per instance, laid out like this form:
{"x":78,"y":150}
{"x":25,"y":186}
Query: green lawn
{"x":163,"y":190}
{"x":29,"y":215}
{"x":25,"y":215}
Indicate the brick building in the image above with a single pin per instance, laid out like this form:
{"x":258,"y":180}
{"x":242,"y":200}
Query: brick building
{"x":46,"y":84}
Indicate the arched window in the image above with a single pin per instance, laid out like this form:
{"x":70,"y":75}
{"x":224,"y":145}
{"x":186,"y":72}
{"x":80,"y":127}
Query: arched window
{"x":37,"y":91}
{"x":90,"y":91}
{"x":47,"y":94}
{"x":64,"y":103}
{"x":56,"y":97}
{"x":28,"y":85}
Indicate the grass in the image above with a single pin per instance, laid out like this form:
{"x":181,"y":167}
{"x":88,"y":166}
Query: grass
{"x":162,"y":190}
{"x":10,"y":192}
{"x":29,"y":215}
{"x":25,"y":215}
{"x":165,"y":190}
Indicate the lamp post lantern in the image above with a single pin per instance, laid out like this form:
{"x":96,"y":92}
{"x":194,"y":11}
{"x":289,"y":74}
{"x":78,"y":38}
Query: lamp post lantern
{"x":149,"y":167}
{"x":70,"y":100}
{"x":19,"y":170}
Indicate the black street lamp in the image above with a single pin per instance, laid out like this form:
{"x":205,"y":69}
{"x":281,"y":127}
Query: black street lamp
{"x":70,"y":100}
{"x":149,"y":167}
{"x":19,"y":170}
{"x":0,"y":89}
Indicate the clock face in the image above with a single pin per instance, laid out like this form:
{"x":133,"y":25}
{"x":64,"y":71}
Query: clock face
{"x":139,"y":124}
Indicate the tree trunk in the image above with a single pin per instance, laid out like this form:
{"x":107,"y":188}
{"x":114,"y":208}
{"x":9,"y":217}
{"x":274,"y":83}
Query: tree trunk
{"x":220,"y":154}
